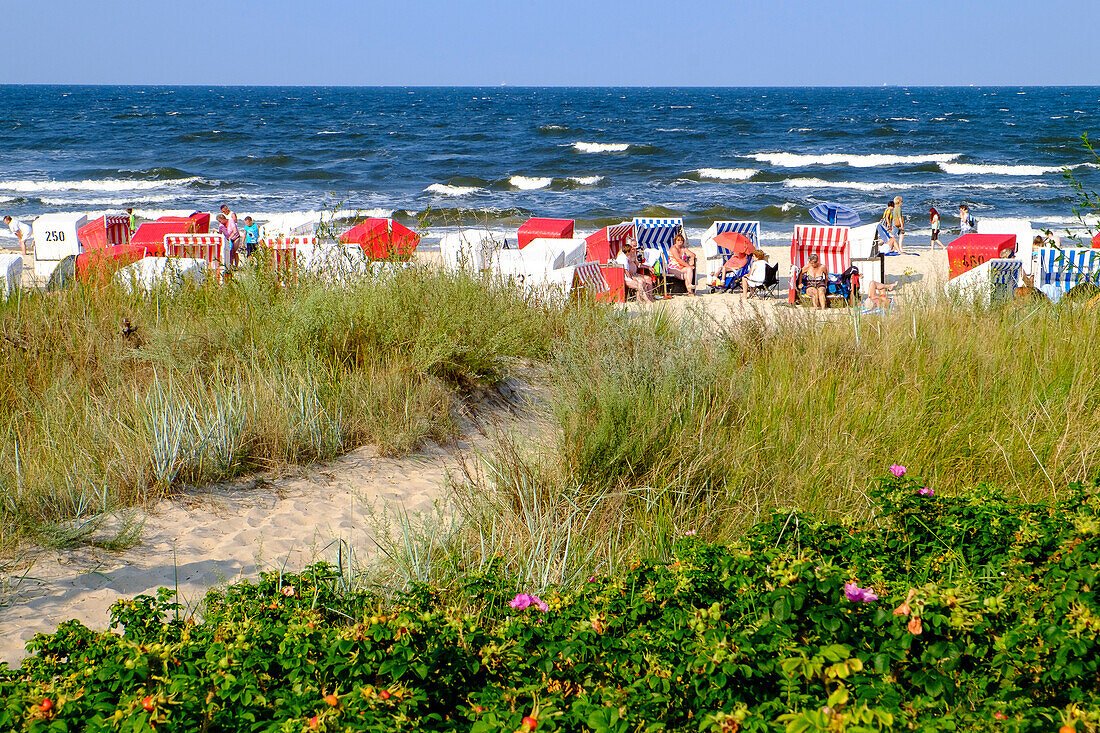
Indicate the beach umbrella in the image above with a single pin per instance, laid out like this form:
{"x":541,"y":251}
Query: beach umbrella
{"x":835,"y":215}
{"x":735,"y":242}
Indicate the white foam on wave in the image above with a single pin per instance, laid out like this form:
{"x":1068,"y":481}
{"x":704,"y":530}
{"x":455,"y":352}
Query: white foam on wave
{"x":727,"y":174}
{"x":110,"y":184}
{"x":330,"y":132}
{"x":109,"y":200}
{"x":586,"y":180}
{"x":799,"y":160}
{"x":853,"y":185}
{"x":524,"y":183}
{"x":581,"y":147}
{"x":997,"y":169}
{"x":443,"y":189}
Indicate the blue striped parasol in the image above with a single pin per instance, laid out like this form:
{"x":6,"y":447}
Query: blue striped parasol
{"x":835,"y":215}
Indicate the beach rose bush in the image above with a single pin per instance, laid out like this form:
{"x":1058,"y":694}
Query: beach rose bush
{"x":971,"y":612}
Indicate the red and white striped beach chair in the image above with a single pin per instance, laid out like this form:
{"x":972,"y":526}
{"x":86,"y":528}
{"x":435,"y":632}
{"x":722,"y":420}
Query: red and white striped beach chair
{"x":283,"y":254}
{"x":830,"y":244}
{"x":589,"y":278}
{"x":605,"y":245}
{"x":213,"y":248}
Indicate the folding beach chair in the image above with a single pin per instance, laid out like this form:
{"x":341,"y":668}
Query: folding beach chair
{"x":733,"y":280}
{"x":771,"y":281}
{"x":211,"y":248}
{"x":715,"y":254}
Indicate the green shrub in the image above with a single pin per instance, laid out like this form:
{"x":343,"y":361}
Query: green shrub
{"x":987,"y":617}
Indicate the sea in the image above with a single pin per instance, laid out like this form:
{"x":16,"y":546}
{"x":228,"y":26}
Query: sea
{"x":442,"y":158}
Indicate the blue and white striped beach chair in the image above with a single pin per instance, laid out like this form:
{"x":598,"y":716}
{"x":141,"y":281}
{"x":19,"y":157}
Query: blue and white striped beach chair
{"x":1059,"y":270}
{"x":655,"y":237}
{"x":715,"y":254}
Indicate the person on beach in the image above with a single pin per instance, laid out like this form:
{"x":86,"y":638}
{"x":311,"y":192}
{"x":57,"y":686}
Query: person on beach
{"x":228,"y":229}
{"x":133,"y":220}
{"x":636,"y":279}
{"x":251,"y":236}
{"x":22,"y":232}
{"x":229,"y":214}
{"x":899,"y":224}
{"x":886,"y":230}
{"x":934,"y":217}
{"x":879,"y":295}
{"x":757,"y":273}
{"x":816,"y":279}
{"x":681,"y":262}
{"x":734,"y":263}
{"x":966,"y":221}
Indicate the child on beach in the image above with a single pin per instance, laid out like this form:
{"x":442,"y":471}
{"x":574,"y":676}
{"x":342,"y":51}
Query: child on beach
{"x":885,"y":230}
{"x":251,"y":236}
{"x":934,"y":217}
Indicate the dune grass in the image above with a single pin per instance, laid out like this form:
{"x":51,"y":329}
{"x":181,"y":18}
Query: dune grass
{"x":109,"y":400}
{"x":667,"y":427}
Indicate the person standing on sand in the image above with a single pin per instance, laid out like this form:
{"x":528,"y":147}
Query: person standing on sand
{"x":966,"y":221}
{"x":230,"y":215}
{"x":885,"y":230}
{"x":899,"y":223}
{"x":934,"y":217}
{"x":228,"y":229}
{"x":22,"y":232}
{"x":251,"y":236}
{"x":133,"y":220}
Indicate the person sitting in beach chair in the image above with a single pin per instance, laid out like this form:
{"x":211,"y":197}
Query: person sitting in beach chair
{"x":636,"y":277}
{"x":681,"y":263}
{"x":761,"y":275}
{"x":814,"y":279}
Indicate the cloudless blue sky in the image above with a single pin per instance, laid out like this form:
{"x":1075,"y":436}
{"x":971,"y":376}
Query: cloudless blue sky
{"x":566,"y":42}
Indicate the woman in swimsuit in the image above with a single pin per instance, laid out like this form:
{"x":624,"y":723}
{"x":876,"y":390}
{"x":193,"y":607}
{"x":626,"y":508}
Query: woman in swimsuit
{"x":816,"y":279}
{"x":681,"y":262}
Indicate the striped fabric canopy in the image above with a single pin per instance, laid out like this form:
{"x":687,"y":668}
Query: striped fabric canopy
{"x":835,"y":215}
{"x":589,"y":275}
{"x":657,"y":232}
{"x":1067,"y":267}
{"x":830,"y":244}
{"x":616,"y":232}
{"x":750,"y":229}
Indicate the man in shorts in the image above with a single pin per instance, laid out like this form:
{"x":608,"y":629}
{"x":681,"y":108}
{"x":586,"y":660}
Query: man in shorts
{"x":899,"y":223}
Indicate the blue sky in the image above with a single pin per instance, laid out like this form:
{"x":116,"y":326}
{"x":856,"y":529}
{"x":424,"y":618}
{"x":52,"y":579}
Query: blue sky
{"x":568,"y":42}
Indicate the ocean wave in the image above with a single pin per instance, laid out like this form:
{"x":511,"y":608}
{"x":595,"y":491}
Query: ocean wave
{"x":726,"y":174}
{"x":444,"y":189}
{"x":852,"y":185}
{"x":90,"y":185}
{"x":581,"y":147}
{"x":524,"y":183}
{"x":108,"y":201}
{"x":873,"y":160}
{"x":966,"y":169}
{"x":585,"y":180}
{"x":331,"y":132}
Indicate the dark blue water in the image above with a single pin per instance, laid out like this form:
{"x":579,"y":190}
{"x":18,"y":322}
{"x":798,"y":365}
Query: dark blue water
{"x":499,"y":155}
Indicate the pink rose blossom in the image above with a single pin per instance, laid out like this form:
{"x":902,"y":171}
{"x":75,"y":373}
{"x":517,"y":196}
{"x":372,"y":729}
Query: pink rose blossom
{"x":523,"y":601}
{"x":897,"y":470}
{"x":859,"y":595}
{"x":288,"y":590}
{"x":926,"y":491}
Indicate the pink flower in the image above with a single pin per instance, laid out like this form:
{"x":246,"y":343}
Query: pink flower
{"x":591,"y":578}
{"x":288,"y":590}
{"x":523,"y":601}
{"x":926,"y":491}
{"x":689,"y":533}
{"x":859,"y":595}
{"x":897,"y":470}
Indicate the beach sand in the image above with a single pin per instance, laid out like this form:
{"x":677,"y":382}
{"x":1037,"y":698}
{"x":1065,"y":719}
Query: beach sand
{"x":203,"y":538}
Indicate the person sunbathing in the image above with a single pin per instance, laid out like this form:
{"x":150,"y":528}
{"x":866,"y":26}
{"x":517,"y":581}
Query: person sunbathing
{"x":681,"y":262}
{"x":879,"y":294}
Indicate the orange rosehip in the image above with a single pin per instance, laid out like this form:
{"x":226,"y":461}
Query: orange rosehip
{"x":46,"y":705}
{"x":384,"y":694}
{"x":531,"y":723}
{"x":332,"y":700}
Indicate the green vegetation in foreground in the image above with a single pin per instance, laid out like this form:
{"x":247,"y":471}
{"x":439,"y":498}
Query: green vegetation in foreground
{"x":987,"y":617}
{"x":109,"y":400}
